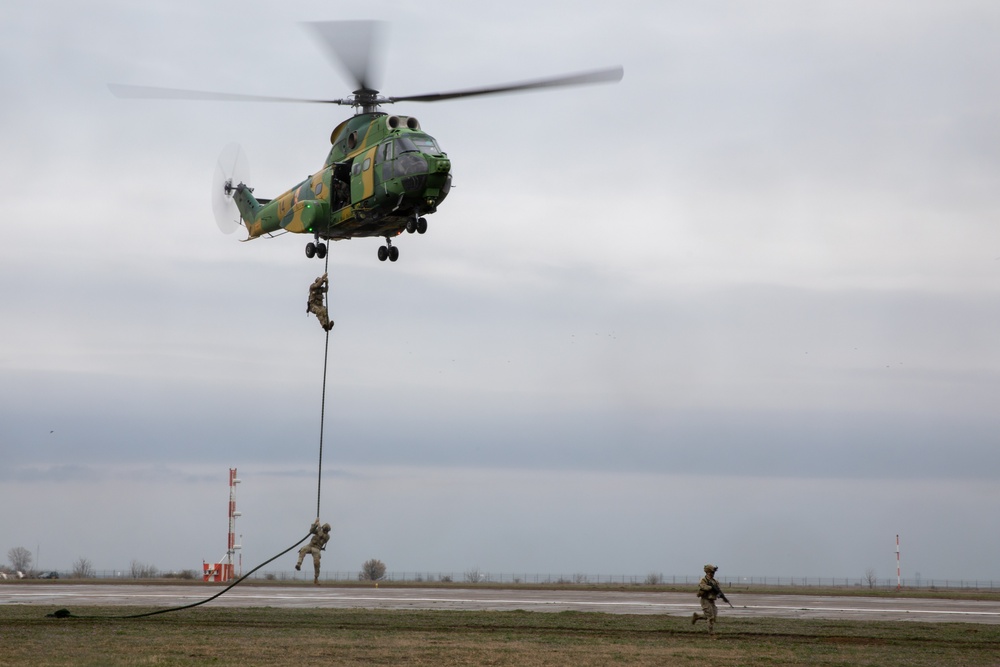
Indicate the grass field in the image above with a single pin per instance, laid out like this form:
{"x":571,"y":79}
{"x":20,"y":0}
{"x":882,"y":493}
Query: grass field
{"x":267,"y":636}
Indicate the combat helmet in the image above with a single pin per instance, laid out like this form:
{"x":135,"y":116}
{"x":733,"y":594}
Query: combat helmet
{"x":710,"y":569}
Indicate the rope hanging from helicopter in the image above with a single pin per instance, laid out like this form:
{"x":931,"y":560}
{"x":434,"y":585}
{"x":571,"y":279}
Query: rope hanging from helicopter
{"x":322,"y":408}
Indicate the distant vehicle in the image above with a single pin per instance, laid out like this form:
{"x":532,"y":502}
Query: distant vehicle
{"x":49,"y":575}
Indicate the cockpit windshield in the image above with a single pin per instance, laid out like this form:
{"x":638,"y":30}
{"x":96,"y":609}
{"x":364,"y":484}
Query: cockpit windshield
{"x":420,"y":143}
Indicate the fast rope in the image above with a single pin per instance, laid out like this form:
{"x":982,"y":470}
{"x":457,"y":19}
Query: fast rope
{"x":65,"y":613}
{"x":322,"y":407}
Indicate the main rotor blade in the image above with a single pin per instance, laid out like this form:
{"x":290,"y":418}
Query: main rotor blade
{"x":352,"y":44}
{"x":153,"y":93}
{"x":611,"y":75}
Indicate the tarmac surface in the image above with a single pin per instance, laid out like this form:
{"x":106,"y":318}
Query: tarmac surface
{"x":58,"y":595}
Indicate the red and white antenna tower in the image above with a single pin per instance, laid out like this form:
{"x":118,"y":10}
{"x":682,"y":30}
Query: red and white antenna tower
{"x":224,"y":570}
{"x":231,"y":545}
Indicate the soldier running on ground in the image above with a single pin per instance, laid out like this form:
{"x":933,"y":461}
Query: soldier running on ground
{"x":320,"y":536}
{"x":315,"y":304}
{"x":708,"y":591}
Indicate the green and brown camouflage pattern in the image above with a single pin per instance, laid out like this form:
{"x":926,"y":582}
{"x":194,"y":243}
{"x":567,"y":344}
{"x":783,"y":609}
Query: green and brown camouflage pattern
{"x":382,"y":172}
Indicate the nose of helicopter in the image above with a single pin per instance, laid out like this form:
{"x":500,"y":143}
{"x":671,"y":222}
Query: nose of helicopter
{"x":438,"y":180}
{"x":437,"y":167}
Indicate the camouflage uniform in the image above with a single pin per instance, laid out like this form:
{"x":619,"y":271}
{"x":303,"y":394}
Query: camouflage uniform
{"x":320,"y":536}
{"x":708,"y":589}
{"x":342,"y":193}
{"x":315,"y":303}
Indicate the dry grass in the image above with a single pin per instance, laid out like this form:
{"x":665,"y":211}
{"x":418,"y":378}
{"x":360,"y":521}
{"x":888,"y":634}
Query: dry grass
{"x":265,"y":636}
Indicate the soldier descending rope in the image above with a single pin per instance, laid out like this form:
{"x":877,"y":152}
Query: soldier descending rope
{"x":315,"y":304}
{"x":320,"y":536}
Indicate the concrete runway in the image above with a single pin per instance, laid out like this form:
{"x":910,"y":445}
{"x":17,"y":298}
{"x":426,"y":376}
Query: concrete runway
{"x":55,"y":595}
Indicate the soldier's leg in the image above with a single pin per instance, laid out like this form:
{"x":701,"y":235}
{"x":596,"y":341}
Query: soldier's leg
{"x":706,"y":615}
{"x":316,"y":553}
{"x":710,"y":613}
{"x":302,"y":554}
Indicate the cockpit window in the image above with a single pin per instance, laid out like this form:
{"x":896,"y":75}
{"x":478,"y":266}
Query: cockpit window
{"x":384,"y":152}
{"x":404,"y":145}
{"x":420,"y":143}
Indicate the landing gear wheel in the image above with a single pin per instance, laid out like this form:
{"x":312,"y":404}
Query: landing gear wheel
{"x":393,"y":253}
{"x":383,"y":253}
{"x":321,"y":250}
{"x":310,"y":250}
{"x":411,"y":225}
{"x":421,"y":225}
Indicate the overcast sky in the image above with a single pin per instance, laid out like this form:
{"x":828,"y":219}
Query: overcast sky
{"x":742,"y":307}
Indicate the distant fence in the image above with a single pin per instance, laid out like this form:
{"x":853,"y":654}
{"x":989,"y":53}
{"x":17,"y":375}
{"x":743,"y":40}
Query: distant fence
{"x":473,"y":577}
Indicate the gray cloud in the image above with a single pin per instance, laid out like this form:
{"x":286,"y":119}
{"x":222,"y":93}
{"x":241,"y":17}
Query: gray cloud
{"x":762,"y":265}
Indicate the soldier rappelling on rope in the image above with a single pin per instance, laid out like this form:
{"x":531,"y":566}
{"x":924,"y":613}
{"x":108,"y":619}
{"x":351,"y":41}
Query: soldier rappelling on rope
{"x":315,"y":305}
{"x":320,"y":536}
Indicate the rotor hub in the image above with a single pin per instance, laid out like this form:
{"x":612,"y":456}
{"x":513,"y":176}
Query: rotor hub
{"x":368,"y":100}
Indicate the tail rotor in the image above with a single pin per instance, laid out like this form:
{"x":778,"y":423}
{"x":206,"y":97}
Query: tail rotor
{"x":231,"y":170}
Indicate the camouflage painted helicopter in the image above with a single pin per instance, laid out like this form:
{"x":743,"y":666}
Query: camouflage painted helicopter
{"x":383,"y":173}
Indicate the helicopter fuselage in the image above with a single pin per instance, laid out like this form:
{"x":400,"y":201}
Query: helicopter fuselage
{"x":382,"y":174}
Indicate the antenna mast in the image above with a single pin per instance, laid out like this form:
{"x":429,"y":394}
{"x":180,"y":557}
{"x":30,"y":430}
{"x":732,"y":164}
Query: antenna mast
{"x":231,"y":546}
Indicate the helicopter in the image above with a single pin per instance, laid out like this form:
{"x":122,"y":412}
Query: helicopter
{"x":383,"y":174}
